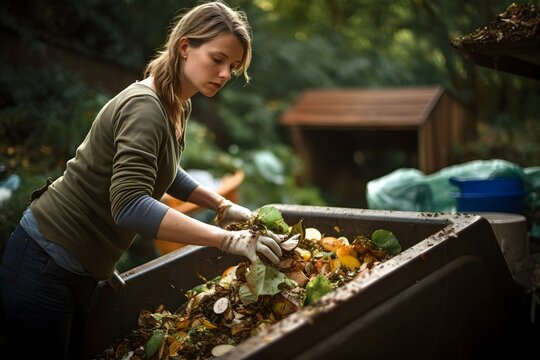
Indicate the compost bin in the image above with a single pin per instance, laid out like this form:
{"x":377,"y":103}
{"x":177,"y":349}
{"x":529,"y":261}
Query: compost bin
{"x":443,"y":295}
{"x":510,"y":42}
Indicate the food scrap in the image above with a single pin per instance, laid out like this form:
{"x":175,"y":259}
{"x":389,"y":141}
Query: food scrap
{"x":249,"y":297}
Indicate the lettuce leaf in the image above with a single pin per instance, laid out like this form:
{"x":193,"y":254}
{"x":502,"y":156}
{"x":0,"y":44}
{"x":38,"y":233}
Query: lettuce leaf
{"x":154,"y":343}
{"x":386,"y":240}
{"x":316,"y":288}
{"x":246,"y":295}
{"x":273,"y":220}
{"x":266,"y":280}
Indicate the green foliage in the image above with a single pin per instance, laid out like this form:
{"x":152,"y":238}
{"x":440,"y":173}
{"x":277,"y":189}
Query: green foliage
{"x":270,"y":173}
{"x":388,"y":43}
{"x":270,"y":177}
{"x":47,"y":111}
{"x":12,"y":209}
{"x":201,"y":151}
{"x":249,"y":119}
{"x":503,"y":140}
{"x":45,"y":114}
{"x":124,"y":33}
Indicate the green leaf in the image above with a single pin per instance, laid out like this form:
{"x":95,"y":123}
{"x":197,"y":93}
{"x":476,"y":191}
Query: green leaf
{"x":316,"y":288}
{"x":273,"y":220}
{"x":265,"y":280}
{"x":246,"y":295}
{"x":386,"y":240}
{"x":298,"y":228}
{"x":153,"y":344}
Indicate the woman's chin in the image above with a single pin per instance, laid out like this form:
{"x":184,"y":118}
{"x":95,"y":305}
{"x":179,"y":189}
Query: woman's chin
{"x":208,"y":93}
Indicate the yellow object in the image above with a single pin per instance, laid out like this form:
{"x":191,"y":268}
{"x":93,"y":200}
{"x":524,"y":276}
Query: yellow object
{"x":350,"y":262}
{"x":348,"y":257}
{"x":346,"y":250}
{"x":303,"y":253}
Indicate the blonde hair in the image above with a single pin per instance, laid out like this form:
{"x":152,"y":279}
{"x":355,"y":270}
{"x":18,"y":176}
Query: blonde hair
{"x":201,"y":24}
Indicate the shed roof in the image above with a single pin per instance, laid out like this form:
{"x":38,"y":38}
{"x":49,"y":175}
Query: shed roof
{"x":388,"y":108}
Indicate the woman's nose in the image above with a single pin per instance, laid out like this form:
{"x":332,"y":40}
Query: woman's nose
{"x":225,"y":72}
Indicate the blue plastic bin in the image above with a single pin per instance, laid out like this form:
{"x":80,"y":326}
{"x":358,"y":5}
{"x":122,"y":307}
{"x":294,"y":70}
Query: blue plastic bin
{"x":504,"y":194}
{"x":495,"y":185}
{"x":512,"y":202}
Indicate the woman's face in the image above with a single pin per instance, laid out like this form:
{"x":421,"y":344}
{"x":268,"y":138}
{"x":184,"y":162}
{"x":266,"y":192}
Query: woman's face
{"x":208,"y":67}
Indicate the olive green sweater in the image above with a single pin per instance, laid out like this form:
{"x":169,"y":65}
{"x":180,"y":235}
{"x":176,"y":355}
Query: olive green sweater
{"x":130,"y":150}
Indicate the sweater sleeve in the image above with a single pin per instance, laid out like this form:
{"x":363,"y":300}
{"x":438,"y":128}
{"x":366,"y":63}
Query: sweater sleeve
{"x":142,"y":215}
{"x":140,"y":129}
{"x":183,"y":185}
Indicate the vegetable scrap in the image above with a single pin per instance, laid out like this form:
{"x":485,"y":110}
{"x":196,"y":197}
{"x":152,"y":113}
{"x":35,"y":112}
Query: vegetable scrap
{"x":249,"y":297}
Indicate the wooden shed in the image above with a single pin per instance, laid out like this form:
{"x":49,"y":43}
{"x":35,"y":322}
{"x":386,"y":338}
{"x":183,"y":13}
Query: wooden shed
{"x":347,"y":137}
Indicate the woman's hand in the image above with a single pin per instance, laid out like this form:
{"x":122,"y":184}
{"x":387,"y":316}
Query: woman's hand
{"x":249,"y":243}
{"x":229,"y":212}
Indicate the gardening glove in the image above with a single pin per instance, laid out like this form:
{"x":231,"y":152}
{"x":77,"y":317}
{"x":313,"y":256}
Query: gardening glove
{"x":249,"y":243}
{"x":229,"y":212}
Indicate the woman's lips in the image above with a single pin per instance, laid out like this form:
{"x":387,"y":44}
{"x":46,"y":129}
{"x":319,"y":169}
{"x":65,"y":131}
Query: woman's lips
{"x":217,"y":86}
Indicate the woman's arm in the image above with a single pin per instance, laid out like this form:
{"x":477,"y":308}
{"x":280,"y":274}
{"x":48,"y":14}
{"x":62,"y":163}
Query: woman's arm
{"x":185,"y":188}
{"x":206,"y":198}
{"x":178,"y":227}
{"x":149,"y":216}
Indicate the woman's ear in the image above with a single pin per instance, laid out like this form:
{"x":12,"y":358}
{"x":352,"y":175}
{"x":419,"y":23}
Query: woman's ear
{"x":183,"y":44}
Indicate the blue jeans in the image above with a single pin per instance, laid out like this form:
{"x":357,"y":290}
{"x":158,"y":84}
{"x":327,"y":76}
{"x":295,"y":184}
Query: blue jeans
{"x":43,"y":305}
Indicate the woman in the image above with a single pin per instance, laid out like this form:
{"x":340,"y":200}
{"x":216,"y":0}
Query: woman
{"x":77,"y":227}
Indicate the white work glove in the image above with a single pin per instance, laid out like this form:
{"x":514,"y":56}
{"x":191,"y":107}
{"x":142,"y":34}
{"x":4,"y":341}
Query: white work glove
{"x":249,"y":243}
{"x":229,"y":212}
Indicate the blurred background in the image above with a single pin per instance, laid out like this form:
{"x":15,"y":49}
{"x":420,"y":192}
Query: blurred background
{"x":62,"y":60}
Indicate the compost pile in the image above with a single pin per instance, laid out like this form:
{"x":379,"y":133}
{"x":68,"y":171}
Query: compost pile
{"x":517,"y":23}
{"x":249,"y":297}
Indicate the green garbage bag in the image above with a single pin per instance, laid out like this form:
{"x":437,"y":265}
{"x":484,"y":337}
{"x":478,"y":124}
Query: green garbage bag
{"x":411,"y":190}
{"x":532,"y":199}
{"x":532,"y":187}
